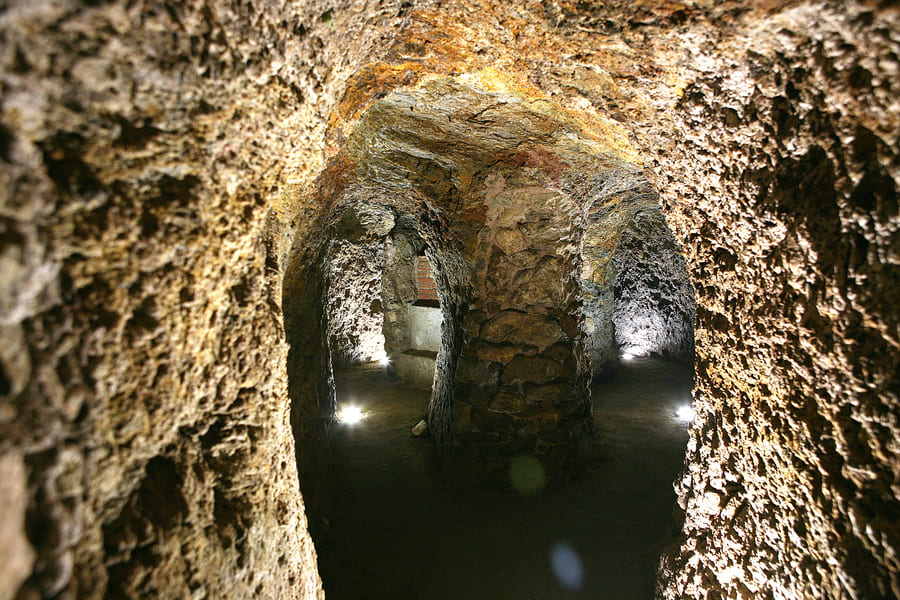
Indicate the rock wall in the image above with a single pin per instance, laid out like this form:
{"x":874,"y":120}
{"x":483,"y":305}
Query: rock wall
{"x":353,"y":265}
{"x":353,"y":302}
{"x":788,"y":152}
{"x":521,"y":383}
{"x":652,"y":295}
{"x":144,"y":418}
{"x":157,"y":177}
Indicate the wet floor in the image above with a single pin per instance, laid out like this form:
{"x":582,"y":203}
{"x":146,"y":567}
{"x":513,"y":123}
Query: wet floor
{"x":397,"y":533}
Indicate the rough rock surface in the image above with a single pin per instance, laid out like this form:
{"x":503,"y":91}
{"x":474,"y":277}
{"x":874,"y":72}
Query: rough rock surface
{"x":158,"y":162}
{"x":353,"y":299}
{"x":653,"y":300}
{"x":143,"y":407}
{"x":795,"y":256}
{"x":353,"y":265}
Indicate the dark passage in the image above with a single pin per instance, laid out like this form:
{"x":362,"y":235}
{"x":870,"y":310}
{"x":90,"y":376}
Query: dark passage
{"x":398,"y":533}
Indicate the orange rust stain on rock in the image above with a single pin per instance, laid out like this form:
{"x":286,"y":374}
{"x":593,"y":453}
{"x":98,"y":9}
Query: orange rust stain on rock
{"x":334,"y":178}
{"x":372,"y":82}
{"x":446,"y":41}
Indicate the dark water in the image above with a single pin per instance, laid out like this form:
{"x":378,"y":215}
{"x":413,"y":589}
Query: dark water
{"x":398,"y":533}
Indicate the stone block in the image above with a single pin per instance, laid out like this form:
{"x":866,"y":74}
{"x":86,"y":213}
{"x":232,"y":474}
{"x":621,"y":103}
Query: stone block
{"x":501,"y":354}
{"x":425,"y":327}
{"x":416,"y":367}
{"x":524,"y":329}
{"x":535,"y":369}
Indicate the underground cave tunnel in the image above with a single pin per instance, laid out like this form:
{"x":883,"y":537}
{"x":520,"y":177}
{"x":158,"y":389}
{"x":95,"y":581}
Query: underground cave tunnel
{"x":398,"y":531}
{"x":180,"y":180}
{"x":549,"y":284}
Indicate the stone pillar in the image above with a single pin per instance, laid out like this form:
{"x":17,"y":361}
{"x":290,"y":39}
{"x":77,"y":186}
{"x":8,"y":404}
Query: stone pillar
{"x":521,"y":386}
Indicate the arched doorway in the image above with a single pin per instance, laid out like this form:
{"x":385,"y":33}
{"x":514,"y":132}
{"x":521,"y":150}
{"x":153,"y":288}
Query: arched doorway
{"x":524,"y":239}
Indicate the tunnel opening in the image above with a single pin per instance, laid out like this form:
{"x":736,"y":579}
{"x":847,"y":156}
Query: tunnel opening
{"x":383,"y":306}
{"x":504,"y":279}
{"x":352,"y":307}
{"x":600,"y":536}
{"x":413,"y":319}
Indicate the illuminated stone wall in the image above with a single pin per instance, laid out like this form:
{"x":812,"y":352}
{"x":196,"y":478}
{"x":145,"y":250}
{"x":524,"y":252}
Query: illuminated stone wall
{"x":353,"y":266}
{"x":652,"y":295}
{"x":781,"y":184}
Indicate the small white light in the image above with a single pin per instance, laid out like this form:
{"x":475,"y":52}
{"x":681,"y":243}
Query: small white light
{"x":382,"y":357}
{"x":685,"y":413}
{"x":350,"y":414}
{"x":627,"y":356}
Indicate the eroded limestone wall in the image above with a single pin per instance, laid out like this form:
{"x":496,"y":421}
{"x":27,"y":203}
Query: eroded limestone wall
{"x":353,"y":301}
{"x":653,"y":300}
{"x":143,"y":413}
{"x":142,"y":145}
{"x":782,"y":183}
{"x":353,"y":265}
{"x":520,"y":384}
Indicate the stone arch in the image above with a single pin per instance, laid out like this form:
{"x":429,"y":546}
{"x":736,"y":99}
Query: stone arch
{"x":520,"y":215}
{"x":360,"y":218}
{"x":636,"y":289}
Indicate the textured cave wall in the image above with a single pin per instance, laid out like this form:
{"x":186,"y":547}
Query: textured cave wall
{"x":143,"y":407}
{"x":521,"y":382}
{"x":353,"y":266}
{"x":635,"y":288}
{"x":353,"y":299}
{"x":142,"y":146}
{"x":789,"y":155}
{"x":652,"y":295}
